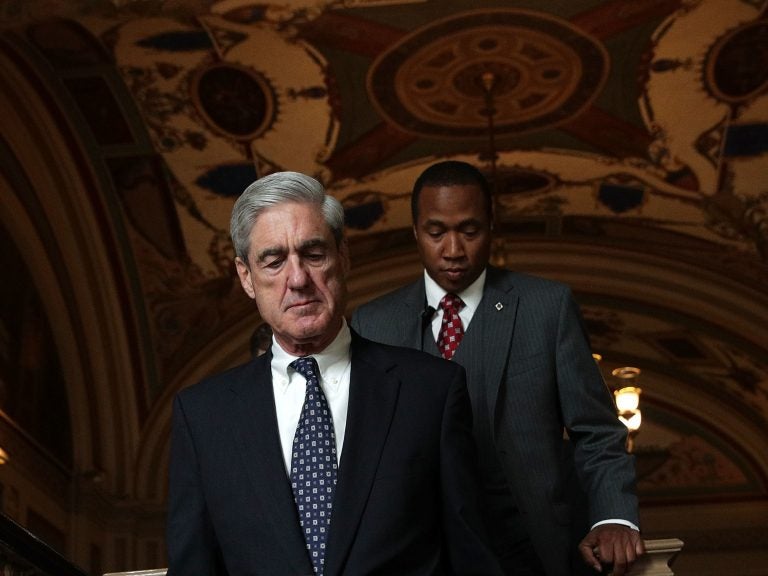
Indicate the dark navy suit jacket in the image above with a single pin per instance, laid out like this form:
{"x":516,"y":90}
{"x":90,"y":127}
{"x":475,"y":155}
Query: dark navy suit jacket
{"x":406,"y":497}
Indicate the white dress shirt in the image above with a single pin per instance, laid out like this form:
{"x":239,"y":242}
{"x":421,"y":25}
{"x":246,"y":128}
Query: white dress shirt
{"x":471,"y":297}
{"x":290,"y":387}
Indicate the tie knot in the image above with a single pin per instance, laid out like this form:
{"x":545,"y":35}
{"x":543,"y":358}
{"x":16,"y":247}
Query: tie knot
{"x":306,"y":366}
{"x":451,"y":302}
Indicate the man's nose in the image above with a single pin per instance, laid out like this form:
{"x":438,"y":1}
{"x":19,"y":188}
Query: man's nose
{"x":297,"y":274}
{"x":454,"y":247}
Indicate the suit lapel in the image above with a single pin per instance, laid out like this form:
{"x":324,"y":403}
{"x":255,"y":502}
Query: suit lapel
{"x":489,"y":338}
{"x":485,"y":350}
{"x":255,"y":424}
{"x":372,"y":400}
{"x":413,"y":312}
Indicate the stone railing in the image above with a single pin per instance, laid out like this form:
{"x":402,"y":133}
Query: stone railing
{"x":658,"y":558}
{"x":156,"y":572}
{"x":656,"y":562}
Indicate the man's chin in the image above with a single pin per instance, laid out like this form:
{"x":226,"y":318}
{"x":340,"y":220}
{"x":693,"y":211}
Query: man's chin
{"x":452,"y":282}
{"x":311,"y":326}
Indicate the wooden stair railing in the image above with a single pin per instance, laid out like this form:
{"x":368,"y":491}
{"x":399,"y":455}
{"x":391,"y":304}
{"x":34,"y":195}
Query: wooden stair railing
{"x":657,"y":560}
{"x":21,"y":552}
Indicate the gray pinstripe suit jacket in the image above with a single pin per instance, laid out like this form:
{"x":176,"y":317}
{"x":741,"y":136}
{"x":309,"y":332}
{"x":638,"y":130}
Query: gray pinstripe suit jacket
{"x":530,"y":375}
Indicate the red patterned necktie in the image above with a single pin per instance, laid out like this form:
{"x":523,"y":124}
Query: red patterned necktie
{"x":452,"y":330}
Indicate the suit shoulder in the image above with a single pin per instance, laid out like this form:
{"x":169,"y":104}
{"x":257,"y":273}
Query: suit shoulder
{"x":411,"y":355}
{"x":215,"y":383}
{"x":385,"y":301}
{"x":527,"y":282}
{"x":415,"y":361}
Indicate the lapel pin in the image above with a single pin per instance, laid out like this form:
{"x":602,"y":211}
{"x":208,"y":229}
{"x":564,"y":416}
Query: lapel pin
{"x":499,"y":305}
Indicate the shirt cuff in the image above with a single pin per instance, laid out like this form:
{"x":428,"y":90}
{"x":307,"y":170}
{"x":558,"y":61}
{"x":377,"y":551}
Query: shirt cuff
{"x":616,"y":521}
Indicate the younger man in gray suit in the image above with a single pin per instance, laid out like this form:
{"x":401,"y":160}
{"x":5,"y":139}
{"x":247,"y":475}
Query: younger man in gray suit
{"x":530,"y":375}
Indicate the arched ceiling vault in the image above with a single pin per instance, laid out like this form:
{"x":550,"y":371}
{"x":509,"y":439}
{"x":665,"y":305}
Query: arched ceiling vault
{"x":52,"y":211}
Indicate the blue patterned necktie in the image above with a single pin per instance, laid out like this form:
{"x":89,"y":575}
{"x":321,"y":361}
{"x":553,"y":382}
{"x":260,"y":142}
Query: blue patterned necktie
{"x":313,"y":464}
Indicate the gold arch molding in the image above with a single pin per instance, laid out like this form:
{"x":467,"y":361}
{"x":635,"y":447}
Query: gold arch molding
{"x":605,"y":280}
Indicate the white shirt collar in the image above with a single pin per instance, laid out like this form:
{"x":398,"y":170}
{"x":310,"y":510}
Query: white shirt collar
{"x":334,"y":358}
{"x":471,"y":296}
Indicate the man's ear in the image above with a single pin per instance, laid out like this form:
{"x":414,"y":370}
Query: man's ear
{"x":244,"y":273}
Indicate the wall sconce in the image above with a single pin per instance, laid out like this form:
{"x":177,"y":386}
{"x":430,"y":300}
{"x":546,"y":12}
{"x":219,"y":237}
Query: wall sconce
{"x":627,"y":397}
{"x":4,"y":458}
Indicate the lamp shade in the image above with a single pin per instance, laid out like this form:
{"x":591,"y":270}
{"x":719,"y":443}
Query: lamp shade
{"x":627,"y":398}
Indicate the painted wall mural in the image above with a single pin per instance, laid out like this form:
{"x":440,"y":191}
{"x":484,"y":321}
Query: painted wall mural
{"x":345,"y":94}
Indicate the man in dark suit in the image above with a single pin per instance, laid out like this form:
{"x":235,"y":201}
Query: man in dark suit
{"x":531,"y":377}
{"x":330,"y":454}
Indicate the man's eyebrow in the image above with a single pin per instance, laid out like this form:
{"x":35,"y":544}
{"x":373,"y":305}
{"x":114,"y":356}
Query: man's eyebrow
{"x":313,"y":243}
{"x":281,"y":250}
{"x":271,"y":251}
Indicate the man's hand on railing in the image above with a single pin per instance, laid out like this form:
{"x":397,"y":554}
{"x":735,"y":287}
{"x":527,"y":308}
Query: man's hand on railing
{"x":613,"y":544}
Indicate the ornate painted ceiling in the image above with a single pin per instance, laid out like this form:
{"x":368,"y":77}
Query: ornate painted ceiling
{"x":631,"y":142}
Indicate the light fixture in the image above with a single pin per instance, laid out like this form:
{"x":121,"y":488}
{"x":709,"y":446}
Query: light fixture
{"x":632,"y":420}
{"x":4,"y":458}
{"x":627,"y":397}
{"x":488,"y":83}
